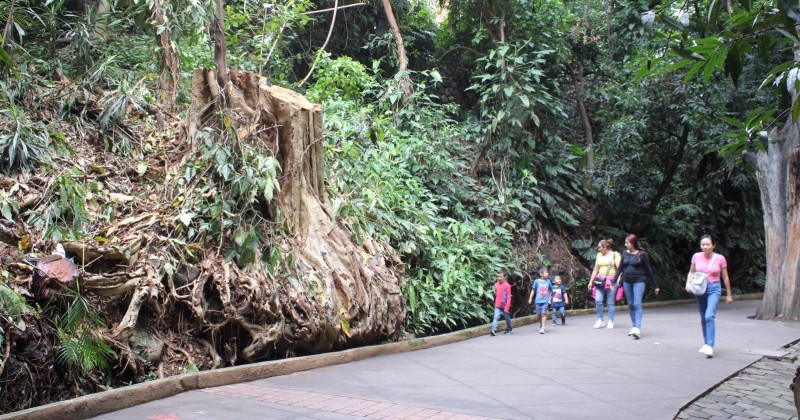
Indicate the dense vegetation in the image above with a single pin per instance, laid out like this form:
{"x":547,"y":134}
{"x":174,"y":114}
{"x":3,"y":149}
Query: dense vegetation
{"x":521,"y":133}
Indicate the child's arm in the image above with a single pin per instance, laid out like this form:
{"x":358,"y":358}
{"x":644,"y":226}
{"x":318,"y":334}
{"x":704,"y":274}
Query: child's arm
{"x":566,"y":297}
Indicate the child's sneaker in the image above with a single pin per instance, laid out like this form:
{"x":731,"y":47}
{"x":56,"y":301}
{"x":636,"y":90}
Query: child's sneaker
{"x":541,"y":330}
{"x":563,"y":320}
{"x":630,"y":333}
{"x":703,"y":349}
{"x":598,"y":324}
{"x":636,"y":334}
{"x":610,"y":325}
{"x":554,"y":323}
{"x":509,"y":332}
{"x":493,"y":333}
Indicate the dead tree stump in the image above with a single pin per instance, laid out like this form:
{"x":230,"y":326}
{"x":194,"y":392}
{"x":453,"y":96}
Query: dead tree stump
{"x":341,"y":293}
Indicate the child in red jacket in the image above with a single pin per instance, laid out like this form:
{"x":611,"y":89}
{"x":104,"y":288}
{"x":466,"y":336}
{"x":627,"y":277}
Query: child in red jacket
{"x":502,"y":302}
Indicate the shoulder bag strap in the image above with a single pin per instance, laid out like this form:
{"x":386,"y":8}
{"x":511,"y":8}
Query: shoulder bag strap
{"x":708,"y":267}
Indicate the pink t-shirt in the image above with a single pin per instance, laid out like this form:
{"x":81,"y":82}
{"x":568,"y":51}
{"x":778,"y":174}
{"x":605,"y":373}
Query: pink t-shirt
{"x":701,"y":264}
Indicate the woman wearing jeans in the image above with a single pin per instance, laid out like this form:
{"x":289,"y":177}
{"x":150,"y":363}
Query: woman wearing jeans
{"x":634,"y":269}
{"x":605,"y":267}
{"x":716,"y":267}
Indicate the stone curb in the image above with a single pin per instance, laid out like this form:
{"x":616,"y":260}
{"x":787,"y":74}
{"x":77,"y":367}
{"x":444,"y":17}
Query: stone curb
{"x":129,"y":396}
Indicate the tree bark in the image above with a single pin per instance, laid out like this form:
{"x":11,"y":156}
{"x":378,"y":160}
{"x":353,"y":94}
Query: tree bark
{"x":170,"y":74}
{"x":101,"y":12}
{"x":576,"y":71}
{"x":405,"y":82}
{"x":779,"y":181}
{"x":220,"y":50}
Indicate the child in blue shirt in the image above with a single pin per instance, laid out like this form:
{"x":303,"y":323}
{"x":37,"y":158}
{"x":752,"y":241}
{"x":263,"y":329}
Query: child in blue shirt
{"x":559,"y":300}
{"x":541,"y":290}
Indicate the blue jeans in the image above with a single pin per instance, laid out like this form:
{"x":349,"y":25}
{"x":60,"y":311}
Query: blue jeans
{"x":707,"y":304}
{"x":497,"y":313}
{"x":558,"y":311}
{"x":634,"y":293}
{"x":610,"y":295}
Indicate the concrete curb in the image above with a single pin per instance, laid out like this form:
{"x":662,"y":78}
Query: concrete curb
{"x":118,"y":399}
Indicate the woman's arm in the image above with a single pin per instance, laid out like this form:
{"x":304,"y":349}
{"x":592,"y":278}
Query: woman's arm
{"x":727,"y":279}
{"x":649,"y":271}
{"x":620,"y":268}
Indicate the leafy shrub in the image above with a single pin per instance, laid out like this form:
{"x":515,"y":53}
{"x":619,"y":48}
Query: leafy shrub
{"x":402,"y":186}
{"x":23,"y":143}
{"x":342,"y":77}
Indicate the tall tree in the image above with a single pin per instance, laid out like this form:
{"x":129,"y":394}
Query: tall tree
{"x":405,"y":81}
{"x":750,"y":35}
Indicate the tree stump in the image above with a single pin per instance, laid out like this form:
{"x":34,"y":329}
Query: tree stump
{"x":340,"y":293}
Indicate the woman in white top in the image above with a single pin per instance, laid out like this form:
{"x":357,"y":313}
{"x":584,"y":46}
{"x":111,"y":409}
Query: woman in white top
{"x":716,"y":266}
{"x":605,"y":267}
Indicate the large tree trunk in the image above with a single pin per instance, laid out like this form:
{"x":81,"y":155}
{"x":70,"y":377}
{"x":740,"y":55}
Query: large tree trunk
{"x":779,"y":181}
{"x":169,"y":67}
{"x":339,"y":293}
{"x":220,"y":50}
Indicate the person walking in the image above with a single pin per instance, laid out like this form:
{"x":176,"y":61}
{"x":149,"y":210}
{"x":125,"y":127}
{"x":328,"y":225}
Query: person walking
{"x":716,"y":267}
{"x":602,"y":281}
{"x":634,"y":270}
{"x":502,"y":302}
{"x":559,"y":300}
{"x":541,"y":289}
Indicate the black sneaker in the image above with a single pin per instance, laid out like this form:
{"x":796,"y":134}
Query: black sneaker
{"x":509,"y":332}
{"x":563,"y":320}
{"x":493,"y":333}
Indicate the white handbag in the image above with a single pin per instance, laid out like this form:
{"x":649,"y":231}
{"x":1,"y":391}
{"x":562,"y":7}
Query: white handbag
{"x":697,"y":283}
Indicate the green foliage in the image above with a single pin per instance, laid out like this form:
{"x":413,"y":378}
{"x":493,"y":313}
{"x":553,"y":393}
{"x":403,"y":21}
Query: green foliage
{"x":341,"y":77}
{"x":258,"y":35}
{"x":748,"y":46}
{"x":63,"y":213}
{"x":23,"y":143}
{"x":12,"y":309}
{"x":8,"y":206}
{"x":12,"y":304}
{"x":512,"y":92}
{"x":80,"y":343}
{"x":401,"y":183}
{"x":222,"y":191}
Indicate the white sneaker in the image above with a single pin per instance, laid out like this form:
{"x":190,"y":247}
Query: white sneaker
{"x":635,"y":333}
{"x":541,"y":330}
{"x":631,"y":331}
{"x":709,"y":352}
{"x":703,"y":349}
{"x":598,"y":324}
{"x":610,"y":325}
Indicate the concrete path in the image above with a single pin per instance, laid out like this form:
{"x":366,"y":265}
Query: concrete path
{"x":572,"y":372}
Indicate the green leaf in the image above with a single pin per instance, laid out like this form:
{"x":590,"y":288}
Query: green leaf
{"x":186,"y":218}
{"x":695,"y":68}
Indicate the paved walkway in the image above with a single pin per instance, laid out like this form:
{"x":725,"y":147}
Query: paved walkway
{"x":572,"y":372}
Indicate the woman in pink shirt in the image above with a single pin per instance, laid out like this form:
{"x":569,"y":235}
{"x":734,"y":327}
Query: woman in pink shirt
{"x":716,"y":267}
